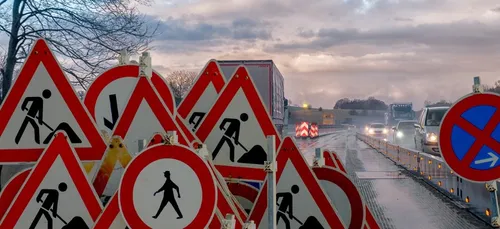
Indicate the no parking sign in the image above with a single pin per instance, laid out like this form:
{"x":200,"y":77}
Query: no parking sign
{"x":469,"y":137}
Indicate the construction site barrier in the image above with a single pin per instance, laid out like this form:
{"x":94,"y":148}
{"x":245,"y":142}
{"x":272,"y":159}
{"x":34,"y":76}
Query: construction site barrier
{"x":302,"y":130}
{"x":474,"y":197}
{"x":313,"y":131}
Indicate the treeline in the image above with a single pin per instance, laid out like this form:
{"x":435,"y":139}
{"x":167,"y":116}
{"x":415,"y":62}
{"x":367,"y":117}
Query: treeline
{"x":495,"y":88}
{"x":440,"y":103}
{"x":361,"y":104}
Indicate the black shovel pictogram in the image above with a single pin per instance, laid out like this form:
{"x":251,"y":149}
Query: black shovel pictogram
{"x":310,"y":223}
{"x":256,"y":155}
{"x":76,"y":222}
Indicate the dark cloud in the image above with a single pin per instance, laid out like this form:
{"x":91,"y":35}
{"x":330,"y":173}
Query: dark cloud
{"x":239,"y":29}
{"x":327,"y":50}
{"x":402,"y":19}
{"x":464,"y":35}
{"x":305,"y":33}
{"x":496,"y":9}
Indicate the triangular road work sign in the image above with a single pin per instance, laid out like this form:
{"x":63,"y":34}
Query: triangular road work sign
{"x":298,"y":193}
{"x":57,"y":182}
{"x":236,"y":127}
{"x":41,"y":102}
{"x":108,"y":95}
{"x":145,"y":114}
{"x":202,"y":95}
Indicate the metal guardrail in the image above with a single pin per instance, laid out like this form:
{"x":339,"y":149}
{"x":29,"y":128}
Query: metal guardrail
{"x":433,"y":170}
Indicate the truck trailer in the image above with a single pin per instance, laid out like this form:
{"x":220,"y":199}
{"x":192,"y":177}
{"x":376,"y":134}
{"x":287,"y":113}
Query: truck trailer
{"x":397,"y":112}
{"x":269,"y":82}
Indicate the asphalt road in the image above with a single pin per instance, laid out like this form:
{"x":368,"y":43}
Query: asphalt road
{"x":396,"y":199}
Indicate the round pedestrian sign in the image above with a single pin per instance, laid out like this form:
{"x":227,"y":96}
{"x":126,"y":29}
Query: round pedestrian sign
{"x":167,"y":185}
{"x":469,"y":137}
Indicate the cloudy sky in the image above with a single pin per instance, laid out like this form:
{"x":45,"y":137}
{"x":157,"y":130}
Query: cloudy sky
{"x":395,"y":50}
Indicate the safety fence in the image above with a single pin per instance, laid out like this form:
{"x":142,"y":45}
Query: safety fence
{"x":475,"y":197}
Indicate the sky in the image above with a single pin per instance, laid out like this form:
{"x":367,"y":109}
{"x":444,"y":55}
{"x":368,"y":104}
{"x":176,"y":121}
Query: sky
{"x":394,"y":50}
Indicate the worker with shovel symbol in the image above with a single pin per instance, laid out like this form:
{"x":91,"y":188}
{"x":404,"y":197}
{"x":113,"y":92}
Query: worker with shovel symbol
{"x":50,"y":204}
{"x":232,"y":131}
{"x":286,"y":206}
{"x":35,"y":113}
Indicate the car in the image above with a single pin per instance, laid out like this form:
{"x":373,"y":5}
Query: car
{"x":403,"y":132}
{"x":378,"y":130}
{"x":427,"y":129}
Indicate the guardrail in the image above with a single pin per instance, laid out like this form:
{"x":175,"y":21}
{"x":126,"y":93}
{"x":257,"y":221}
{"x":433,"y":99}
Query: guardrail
{"x":433,"y":170}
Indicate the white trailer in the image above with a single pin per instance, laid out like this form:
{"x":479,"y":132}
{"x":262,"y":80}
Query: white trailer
{"x":269,"y":83}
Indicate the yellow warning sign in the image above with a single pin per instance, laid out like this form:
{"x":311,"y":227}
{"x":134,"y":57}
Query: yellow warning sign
{"x":328,"y":119}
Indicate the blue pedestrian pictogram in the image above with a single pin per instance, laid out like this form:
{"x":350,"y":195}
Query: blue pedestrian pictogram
{"x":475,"y":135}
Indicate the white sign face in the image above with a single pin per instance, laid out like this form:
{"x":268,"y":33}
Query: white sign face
{"x":40,"y":112}
{"x":143,"y":126}
{"x":201,"y":108}
{"x":339,"y":200}
{"x":167,"y":192}
{"x":56,"y":193}
{"x":118,"y":223}
{"x":237,"y":133}
{"x":112,"y":101}
{"x":292,"y":194}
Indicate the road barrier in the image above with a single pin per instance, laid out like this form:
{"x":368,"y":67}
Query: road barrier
{"x":322,"y":131}
{"x":433,"y":170}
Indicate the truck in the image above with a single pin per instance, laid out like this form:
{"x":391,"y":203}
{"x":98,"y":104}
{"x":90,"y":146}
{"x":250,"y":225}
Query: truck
{"x":397,"y":112}
{"x":269,"y":82}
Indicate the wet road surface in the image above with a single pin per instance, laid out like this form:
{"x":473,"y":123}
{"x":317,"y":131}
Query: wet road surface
{"x":397,"y":200}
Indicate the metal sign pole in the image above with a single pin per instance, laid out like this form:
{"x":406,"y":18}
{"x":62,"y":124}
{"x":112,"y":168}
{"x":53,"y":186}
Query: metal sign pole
{"x":492,"y":186}
{"x":141,"y":144}
{"x":145,"y":68}
{"x":271,"y":167}
{"x":319,"y":160}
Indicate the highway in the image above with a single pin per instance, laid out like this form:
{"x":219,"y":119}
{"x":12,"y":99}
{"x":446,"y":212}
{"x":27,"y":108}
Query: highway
{"x":395,"y":197}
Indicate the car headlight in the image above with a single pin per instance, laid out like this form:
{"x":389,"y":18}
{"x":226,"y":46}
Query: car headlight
{"x":431,"y":137}
{"x":370,"y":131}
{"x":399,"y":134}
{"x":385,"y":131}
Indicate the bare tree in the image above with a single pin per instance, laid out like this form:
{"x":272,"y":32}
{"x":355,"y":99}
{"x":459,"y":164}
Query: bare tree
{"x":3,"y":58}
{"x":181,"y":82}
{"x":87,"y":34}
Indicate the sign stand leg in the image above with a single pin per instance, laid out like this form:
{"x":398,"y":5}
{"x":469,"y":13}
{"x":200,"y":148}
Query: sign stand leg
{"x":271,"y":167}
{"x":171,"y":138}
{"x":492,"y":187}
{"x":229,"y":222}
{"x":249,"y":225}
